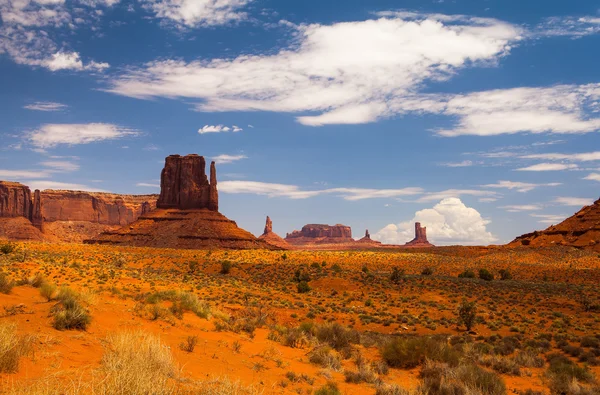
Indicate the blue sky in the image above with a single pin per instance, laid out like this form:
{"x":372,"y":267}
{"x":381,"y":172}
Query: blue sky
{"x":478,"y":118}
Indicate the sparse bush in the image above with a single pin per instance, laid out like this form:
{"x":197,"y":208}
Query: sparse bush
{"x":428,"y":271}
{"x":68,"y":313}
{"x":410,"y":352}
{"x":326,"y":357}
{"x":390,"y":389}
{"x":505,"y":274}
{"x":397,"y":275}
{"x":6,"y":284}
{"x":439,"y":378}
{"x":337,"y":336}
{"x":330,"y":388}
{"x":48,"y":291}
{"x":7,"y":248}
{"x":467,"y":313}
{"x":562,"y":372}
{"x":486,"y":275}
{"x":190,"y":344}
{"x":225,"y":267}
{"x":301,"y":276}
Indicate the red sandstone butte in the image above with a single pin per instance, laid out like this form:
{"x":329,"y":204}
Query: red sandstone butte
{"x":321,"y":234}
{"x":15,"y":200}
{"x":271,"y":237}
{"x":420,"y":239}
{"x":367,"y":239}
{"x":184,"y":185}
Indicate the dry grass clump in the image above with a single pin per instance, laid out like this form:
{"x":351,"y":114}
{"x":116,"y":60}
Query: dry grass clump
{"x":12,"y":347}
{"x":69,"y":313}
{"x":440,"y":378}
{"x":326,"y":357}
{"x":410,"y":352}
{"x":137,"y":363}
{"x":6,"y":284}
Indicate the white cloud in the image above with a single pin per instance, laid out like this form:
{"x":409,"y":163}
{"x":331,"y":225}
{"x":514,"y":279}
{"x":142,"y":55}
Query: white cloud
{"x":71,"y":61}
{"x":448,"y":222}
{"x":19,"y":174}
{"x":42,"y":184}
{"x":63,"y":166}
{"x":592,"y":177}
{"x":321,"y":72}
{"x":573,"y":201}
{"x":519,"y":186}
{"x":45,"y":106}
{"x":455,"y":193}
{"x":147,"y":185}
{"x":523,"y":207}
{"x":295,"y":192}
{"x":464,"y":163}
{"x":218,"y":129}
{"x":568,"y":26}
{"x":51,"y":135}
{"x":579,"y":157}
{"x":195,"y":13}
{"x":548,"y":167}
{"x":224,"y":158}
{"x":549,"y":218}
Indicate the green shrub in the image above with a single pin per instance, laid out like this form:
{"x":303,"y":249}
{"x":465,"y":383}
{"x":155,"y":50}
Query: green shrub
{"x":330,"y":388}
{"x":335,"y":335}
{"x":505,"y":274}
{"x":467,"y":313}
{"x":486,"y":275}
{"x":410,"y":352}
{"x":428,"y":271}
{"x":467,"y":274}
{"x":438,"y":378}
{"x":562,"y":372}
{"x":225,"y":267}
{"x":7,"y":248}
{"x":397,"y":275}
{"x":303,"y":287}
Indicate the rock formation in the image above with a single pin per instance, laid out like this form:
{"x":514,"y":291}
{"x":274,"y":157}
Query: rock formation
{"x":582,"y":230}
{"x":271,"y":237}
{"x":37,"y":219}
{"x":321,"y":234}
{"x":367,"y":239}
{"x":420,"y":239}
{"x":184,"y":185}
{"x":186,"y":215}
{"x":15,"y":200}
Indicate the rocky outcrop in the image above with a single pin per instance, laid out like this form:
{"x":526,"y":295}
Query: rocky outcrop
{"x":367,"y":239}
{"x":582,"y":230}
{"x":321,"y":234}
{"x":95,"y":207}
{"x":37,"y":218}
{"x":271,"y":237}
{"x":186,"y":215}
{"x":420,"y":239}
{"x":15,"y":200}
{"x":184,"y":185}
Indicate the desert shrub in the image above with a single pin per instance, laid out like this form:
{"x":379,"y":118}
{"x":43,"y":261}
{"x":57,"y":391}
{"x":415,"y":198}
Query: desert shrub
{"x":505,"y":274}
{"x":390,"y":389}
{"x":363,"y":374}
{"x":68,"y":313}
{"x":467,"y":274}
{"x":225,"y":267}
{"x":7,"y":248}
{"x":467,"y":313}
{"x":37,"y":281}
{"x":330,"y":388}
{"x":12,"y":347}
{"x":438,"y":378}
{"x":6,"y":284}
{"x":303,"y":287}
{"x":504,"y":365}
{"x":529,"y":359}
{"x":397,"y":275}
{"x":301,"y":276}
{"x":189,"y":344}
{"x":48,"y":291}
{"x":590,"y":341}
{"x":562,"y":371}
{"x":137,"y":363}
{"x":486,"y":275}
{"x":336,"y":336}
{"x":428,"y":271}
{"x":326,"y":357}
{"x":410,"y":352}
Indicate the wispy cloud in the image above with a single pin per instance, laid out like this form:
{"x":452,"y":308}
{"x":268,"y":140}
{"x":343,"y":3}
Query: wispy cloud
{"x":147,"y":185}
{"x":455,"y":193}
{"x":218,"y":129}
{"x":224,"y":158}
{"x":45,"y":184}
{"x":576,"y":157}
{"x":573,"y":201}
{"x":549,"y":218}
{"x":464,"y":163}
{"x":523,"y":207}
{"x":197,"y":13}
{"x":519,"y":186}
{"x":593,"y":177}
{"x":45,"y":106}
{"x":59,"y":165}
{"x":52,"y":135}
{"x":548,"y":167}
{"x":19,"y":174}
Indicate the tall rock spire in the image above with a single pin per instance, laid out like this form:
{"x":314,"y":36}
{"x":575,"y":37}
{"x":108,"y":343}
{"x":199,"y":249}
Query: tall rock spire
{"x":213,"y":194}
{"x":268,"y":226}
{"x":36,"y":211}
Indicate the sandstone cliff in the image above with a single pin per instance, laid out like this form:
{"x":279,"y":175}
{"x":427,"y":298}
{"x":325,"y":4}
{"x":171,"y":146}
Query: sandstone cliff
{"x":320,"y":234}
{"x":15,"y":200}
{"x":420,"y":239}
{"x":582,"y":230}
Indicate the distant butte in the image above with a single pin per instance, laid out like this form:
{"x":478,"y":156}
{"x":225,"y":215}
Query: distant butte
{"x":367,"y":239}
{"x":320,"y":234}
{"x":187,"y":214}
{"x":420,"y":239}
{"x":271,"y":237}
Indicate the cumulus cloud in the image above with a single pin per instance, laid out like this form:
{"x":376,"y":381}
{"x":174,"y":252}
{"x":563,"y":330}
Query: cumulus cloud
{"x":218,"y":129}
{"x":592,"y":177}
{"x":548,"y":167}
{"x":224,"y":158}
{"x":573,"y":201}
{"x":52,"y":135}
{"x":195,"y":13}
{"x":71,"y":61}
{"x":520,"y":186}
{"x":320,"y":72}
{"x":448,"y":222}
{"x":295,"y":192}
{"x":45,"y":106}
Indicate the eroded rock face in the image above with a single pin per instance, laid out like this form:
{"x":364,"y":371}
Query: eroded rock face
{"x":184,"y":184}
{"x":268,"y":226}
{"x":317,"y":233}
{"x":95,"y":207}
{"x":420,"y":239}
{"x":15,"y":200}
{"x":37,"y":218}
